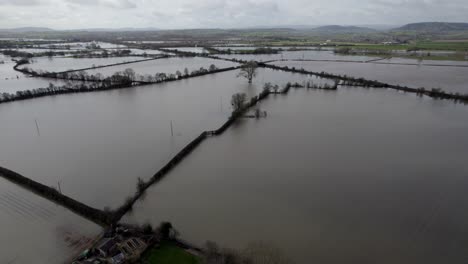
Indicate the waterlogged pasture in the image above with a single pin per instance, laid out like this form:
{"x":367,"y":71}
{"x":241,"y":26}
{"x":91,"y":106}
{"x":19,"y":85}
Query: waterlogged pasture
{"x":354,"y":176}
{"x":64,"y":64}
{"x":167,"y":65}
{"x":299,"y":55}
{"x":12,"y":81}
{"x":450,"y":79}
{"x":98,"y":144}
{"x":34,"y":230}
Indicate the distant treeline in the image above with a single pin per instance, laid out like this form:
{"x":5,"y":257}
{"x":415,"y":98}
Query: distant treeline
{"x":435,"y":93}
{"x":126,"y":77}
{"x":23,"y":54}
{"x":92,"y":83}
{"x":257,"y":51}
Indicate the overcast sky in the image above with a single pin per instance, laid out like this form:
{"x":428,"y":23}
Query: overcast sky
{"x":168,"y":14}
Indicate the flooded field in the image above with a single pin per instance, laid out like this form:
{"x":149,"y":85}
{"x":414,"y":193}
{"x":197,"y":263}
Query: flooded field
{"x":188,"y":49}
{"x":168,"y":66}
{"x":34,"y":230}
{"x":12,"y":81}
{"x":37,"y":50}
{"x":147,"y":51}
{"x":451,"y":79}
{"x":106,"y":140}
{"x":425,"y":62}
{"x":83,"y":45}
{"x":354,"y":176}
{"x":300,"y":55}
{"x":64,"y":64}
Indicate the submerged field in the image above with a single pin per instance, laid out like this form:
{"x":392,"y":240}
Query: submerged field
{"x":167,"y":66}
{"x":106,"y":140}
{"x":34,"y":230}
{"x":329,"y":177}
{"x":354,"y":175}
{"x":450,"y":79}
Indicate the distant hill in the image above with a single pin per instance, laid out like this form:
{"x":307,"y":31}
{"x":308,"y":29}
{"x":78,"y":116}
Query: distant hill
{"x":335,"y":29}
{"x":435,"y":27}
{"x":26,"y":29}
{"x":115,"y":29}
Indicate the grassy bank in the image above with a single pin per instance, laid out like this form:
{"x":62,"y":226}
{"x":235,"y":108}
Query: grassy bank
{"x":169,"y":253}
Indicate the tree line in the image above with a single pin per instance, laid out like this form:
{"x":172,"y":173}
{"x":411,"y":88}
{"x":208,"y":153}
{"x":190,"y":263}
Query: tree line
{"x":125,"y":77}
{"x":435,"y":93}
{"x":96,"y":82}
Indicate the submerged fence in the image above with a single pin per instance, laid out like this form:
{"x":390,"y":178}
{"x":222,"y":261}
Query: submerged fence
{"x":97,"y":216}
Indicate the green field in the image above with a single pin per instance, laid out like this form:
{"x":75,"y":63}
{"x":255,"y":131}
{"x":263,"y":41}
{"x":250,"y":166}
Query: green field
{"x":169,"y":253}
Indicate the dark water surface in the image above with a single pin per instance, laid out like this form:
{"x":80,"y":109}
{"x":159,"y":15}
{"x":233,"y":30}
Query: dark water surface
{"x":34,"y":230}
{"x":450,"y":79}
{"x":354,"y":176}
{"x":98,"y":144}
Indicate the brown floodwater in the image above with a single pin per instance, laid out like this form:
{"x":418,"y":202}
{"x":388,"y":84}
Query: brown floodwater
{"x":450,"y":79}
{"x":98,"y":144}
{"x":34,"y":230}
{"x":354,"y":176}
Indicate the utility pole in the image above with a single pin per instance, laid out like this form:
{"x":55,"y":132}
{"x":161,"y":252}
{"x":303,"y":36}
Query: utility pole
{"x":59,"y":187}
{"x":37,"y":128}
{"x":172,"y":129}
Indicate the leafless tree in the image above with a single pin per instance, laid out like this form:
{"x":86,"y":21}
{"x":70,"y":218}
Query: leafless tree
{"x":248,"y":71}
{"x":238,"y":101}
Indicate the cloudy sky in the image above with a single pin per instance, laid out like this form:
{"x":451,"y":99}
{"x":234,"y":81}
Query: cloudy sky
{"x":168,"y":14}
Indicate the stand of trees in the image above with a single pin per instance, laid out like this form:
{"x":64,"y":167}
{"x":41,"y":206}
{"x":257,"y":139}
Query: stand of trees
{"x":257,"y":51}
{"x":127,"y":77}
{"x":435,"y":93}
{"x":249,"y":70}
{"x":95,"y":82}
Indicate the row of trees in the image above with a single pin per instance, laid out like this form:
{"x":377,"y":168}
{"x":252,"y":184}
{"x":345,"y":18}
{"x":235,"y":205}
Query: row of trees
{"x":45,"y":53}
{"x":95,"y":82}
{"x":257,"y":51}
{"x":125,"y":77}
{"x":58,"y":89}
{"x":436,"y":93}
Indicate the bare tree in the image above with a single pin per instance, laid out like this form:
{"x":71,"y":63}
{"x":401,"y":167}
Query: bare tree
{"x":238,"y":101}
{"x":248,"y":71}
{"x":130,"y":74}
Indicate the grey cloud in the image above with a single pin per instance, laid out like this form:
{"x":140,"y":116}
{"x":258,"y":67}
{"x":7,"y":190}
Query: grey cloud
{"x":227,"y":13}
{"x":123,"y":4}
{"x":20,"y":2}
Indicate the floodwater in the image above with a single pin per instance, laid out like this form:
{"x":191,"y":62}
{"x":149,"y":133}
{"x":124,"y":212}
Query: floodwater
{"x":188,"y":49}
{"x":424,"y":62}
{"x":299,"y":55}
{"x":451,"y":79}
{"x":12,"y":81}
{"x":35,"y":230}
{"x":98,"y":144}
{"x":147,"y":51}
{"x":354,"y":176}
{"x":64,"y":64}
{"x":36,"y":50}
{"x":167,"y":65}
